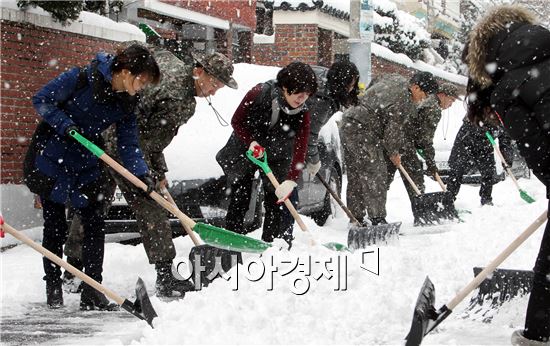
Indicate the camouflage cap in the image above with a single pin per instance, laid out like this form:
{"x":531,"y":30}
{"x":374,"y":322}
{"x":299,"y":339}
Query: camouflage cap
{"x":425,"y":81}
{"x":217,"y":65}
{"x":450,"y":90}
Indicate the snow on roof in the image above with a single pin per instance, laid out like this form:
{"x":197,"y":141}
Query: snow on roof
{"x":400,"y":58}
{"x":88,"y":23}
{"x":336,"y":8}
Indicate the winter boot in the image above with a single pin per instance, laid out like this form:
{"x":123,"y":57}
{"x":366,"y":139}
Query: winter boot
{"x":91,"y":299}
{"x":169,"y":286}
{"x":378,"y":221}
{"x":54,"y":294}
{"x":71,"y":283}
{"x":519,"y":340}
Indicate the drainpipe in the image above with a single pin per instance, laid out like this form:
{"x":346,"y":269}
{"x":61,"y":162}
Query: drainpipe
{"x":361,"y":36}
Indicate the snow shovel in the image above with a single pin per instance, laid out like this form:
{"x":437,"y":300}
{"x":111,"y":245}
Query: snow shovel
{"x":206,"y":255}
{"x":215,"y":236}
{"x":360,"y":236}
{"x":265,"y":167}
{"x":524,"y":195}
{"x":141,"y":308}
{"x":429,"y":208}
{"x":426,"y":317}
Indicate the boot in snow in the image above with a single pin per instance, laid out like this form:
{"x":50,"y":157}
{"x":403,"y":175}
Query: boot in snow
{"x":378,"y":221}
{"x":54,"y":294}
{"x":169,"y":286}
{"x":519,"y":340}
{"x":91,"y":299}
{"x":71,"y":283}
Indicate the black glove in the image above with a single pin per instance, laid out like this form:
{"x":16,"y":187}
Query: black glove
{"x":71,"y":128}
{"x":432,"y":169}
{"x":149,"y":181}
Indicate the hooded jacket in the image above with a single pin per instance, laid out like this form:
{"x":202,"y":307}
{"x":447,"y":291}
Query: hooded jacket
{"x":509,"y":52}
{"x":62,"y":165}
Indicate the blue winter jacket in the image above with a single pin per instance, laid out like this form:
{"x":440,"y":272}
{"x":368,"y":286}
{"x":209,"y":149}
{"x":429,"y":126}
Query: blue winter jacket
{"x":93,"y":108}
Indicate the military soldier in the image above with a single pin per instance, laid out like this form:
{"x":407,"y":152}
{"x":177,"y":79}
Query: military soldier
{"x":161,"y":111}
{"x":372,"y":132}
{"x":419,"y":133}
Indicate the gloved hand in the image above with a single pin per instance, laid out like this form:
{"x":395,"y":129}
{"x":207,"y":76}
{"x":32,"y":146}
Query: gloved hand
{"x":432,"y":169}
{"x":257,"y":150}
{"x":505,"y":166}
{"x":396,"y":159}
{"x":313,"y":168}
{"x":149,"y":181}
{"x":285,"y":190}
{"x":71,"y":128}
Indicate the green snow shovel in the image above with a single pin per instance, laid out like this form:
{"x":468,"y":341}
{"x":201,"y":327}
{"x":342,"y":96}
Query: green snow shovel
{"x":360,"y":236}
{"x":211,"y":235}
{"x":265,"y":167}
{"x":141,"y":308}
{"x":426,"y":317}
{"x":524,"y":195}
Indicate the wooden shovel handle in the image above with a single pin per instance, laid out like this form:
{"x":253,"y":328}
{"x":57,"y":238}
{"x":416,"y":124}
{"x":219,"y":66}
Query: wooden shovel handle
{"x":52,"y":257}
{"x":184,"y":219}
{"x":438,"y":178}
{"x":497,"y":261}
{"x":337,"y":198}
{"x":508,"y":170}
{"x":288,"y":204}
{"x":186,"y":227}
{"x":404,"y":172}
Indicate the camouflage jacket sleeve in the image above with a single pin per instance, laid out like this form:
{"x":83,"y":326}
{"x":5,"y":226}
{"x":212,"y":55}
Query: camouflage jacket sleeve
{"x":158,"y":128}
{"x":396,"y":115}
{"x":429,"y":117}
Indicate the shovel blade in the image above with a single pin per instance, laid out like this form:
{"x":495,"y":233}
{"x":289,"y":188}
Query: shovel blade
{"x":502,"y":285}
{"x":224,"y":239}
{"x":421,"y":317}
{"x":359,"y":237}
{"x":525,"y":196}
{"x":429,"y":208}
{"x":209,"y":258}
{"x":142,"y":307}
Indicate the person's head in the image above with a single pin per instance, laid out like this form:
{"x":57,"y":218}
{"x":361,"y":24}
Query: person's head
{"x":447,"y":95}
{"x":421,"y":85}
{"x":211,"y":73}
{"x":135,"y":67}
{"x":343,"y":83}
{"x":478,"y":104}
{"x":298,"y":82}
{"x":484,"y":42}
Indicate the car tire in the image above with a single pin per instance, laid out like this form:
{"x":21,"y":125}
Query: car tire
{"x":335,"y":182}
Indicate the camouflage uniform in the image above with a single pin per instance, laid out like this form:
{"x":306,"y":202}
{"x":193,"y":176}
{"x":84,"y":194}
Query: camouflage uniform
{"x":419,"y":133}
{"x":372,"y":131}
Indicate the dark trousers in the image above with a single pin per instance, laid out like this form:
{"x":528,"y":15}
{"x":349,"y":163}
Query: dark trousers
{"x":470,"y":152}
{"x":275,"y":225}
{"x":537,"y":320}
{"x":55,"y":234}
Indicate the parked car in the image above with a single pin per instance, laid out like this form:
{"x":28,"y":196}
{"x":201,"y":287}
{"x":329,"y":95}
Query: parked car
{"x":197,"y":183}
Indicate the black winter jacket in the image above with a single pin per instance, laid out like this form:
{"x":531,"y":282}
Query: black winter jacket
{"x":510,"y":53}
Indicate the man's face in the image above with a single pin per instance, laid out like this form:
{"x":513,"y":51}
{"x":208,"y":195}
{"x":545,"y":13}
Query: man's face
{"x":445,"y":101}
{"x":418,"y":95}
{"x":205,"y":84}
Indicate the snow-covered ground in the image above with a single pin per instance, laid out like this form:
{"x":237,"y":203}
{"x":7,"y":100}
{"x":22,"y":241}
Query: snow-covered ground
{"x":367,"y":309}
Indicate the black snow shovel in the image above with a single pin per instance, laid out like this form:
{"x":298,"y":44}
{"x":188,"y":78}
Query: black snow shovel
{"x":360,"y":236}
{"x":426,"y":317}
{"x":206,"y":256}
{"x":141,"y":308}
{"x":430,"y":208}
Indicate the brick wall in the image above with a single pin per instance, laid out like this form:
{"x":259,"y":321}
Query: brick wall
{"x":238,"y":11}
{"x":31,"y":56}
{"x":292,"y":43}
